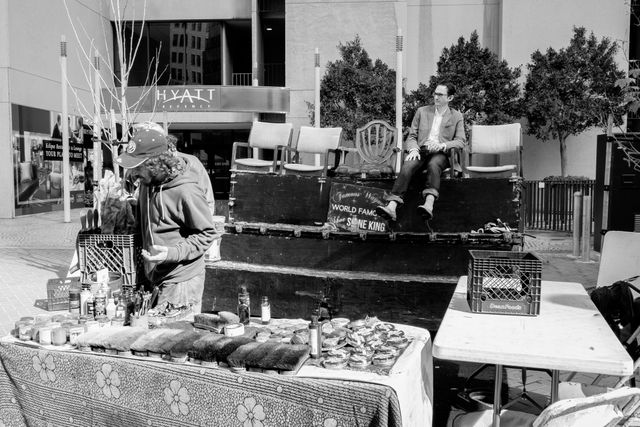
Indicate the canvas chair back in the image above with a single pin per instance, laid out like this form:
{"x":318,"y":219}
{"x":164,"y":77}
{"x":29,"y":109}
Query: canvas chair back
{"x":318,"y":141}
{"x":270,"y":135}
{"x":496,"y":139}
{"x":619,"y":257}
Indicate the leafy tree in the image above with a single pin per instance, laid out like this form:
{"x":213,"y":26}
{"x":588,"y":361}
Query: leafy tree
{"x":487,"y":90}
{"x":573,"y":89}
{"x":355,"y":90}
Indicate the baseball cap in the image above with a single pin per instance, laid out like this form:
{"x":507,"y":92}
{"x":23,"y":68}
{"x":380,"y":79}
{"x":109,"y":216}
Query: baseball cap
{"x":146,"y":142}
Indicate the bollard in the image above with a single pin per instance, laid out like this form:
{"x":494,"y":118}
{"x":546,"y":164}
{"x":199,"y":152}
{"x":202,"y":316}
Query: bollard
{"x":586,"y":228}
{"x":577,"y":222}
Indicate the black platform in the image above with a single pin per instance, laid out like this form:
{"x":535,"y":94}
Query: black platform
{"x":464,"y":204}
{"x":279,"y":243}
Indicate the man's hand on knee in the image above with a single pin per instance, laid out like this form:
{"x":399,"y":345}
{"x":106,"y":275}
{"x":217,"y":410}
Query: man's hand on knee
{"x":414,"y":154}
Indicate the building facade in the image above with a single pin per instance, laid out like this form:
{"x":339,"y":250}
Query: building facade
{"x":224,"y":63}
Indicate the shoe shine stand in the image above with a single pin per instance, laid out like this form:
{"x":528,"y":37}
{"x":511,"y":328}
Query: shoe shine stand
{"x":304,"y":241}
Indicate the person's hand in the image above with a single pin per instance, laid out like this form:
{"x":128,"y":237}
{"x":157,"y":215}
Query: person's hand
{"x":157,"y":254}
{"x":433,"y":147}
{"x":413,"y":155}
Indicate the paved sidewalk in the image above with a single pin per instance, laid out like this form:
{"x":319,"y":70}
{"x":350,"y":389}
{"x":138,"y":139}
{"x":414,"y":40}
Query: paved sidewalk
{"x":33,"y":249}
{"x":556,"y":249}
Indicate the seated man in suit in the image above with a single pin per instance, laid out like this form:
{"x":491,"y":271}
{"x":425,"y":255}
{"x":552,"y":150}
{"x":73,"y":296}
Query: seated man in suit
{"x":434,"y":130}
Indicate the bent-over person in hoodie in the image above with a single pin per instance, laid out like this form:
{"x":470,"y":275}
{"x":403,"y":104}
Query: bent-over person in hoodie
{"x":174,"y":217}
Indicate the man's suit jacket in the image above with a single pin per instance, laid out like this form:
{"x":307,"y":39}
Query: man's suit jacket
{"x":451,"y":128}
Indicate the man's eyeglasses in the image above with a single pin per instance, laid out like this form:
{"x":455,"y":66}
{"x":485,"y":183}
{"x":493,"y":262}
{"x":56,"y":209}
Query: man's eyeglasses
{"x":439,"y":94}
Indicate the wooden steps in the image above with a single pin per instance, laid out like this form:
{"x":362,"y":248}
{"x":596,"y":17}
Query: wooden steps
{"x":416,"y":254}
{"x":292,"y":238}
{"x":418,"y":300}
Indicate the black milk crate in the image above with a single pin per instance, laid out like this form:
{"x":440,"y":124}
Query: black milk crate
{"x":115,"y":252}
{"x":503,"y":282}
{"x":58,"y":292}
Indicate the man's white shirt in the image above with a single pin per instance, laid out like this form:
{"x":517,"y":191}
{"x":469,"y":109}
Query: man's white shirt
{"x":434,"y":133}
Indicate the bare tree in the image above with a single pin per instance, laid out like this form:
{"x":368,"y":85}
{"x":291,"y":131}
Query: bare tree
{"x":110,"y":89}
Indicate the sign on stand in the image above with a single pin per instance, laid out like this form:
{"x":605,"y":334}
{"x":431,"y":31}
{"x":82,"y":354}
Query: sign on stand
{"x":353,"y":208}
{"x":52,"y":150}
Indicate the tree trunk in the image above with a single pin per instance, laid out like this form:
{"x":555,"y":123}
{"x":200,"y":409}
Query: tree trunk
{"x":563,"y":155}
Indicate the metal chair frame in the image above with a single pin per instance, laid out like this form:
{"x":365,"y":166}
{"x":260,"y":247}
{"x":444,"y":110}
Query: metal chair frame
{"x":263,"y":135}
{"x":320,"y":142}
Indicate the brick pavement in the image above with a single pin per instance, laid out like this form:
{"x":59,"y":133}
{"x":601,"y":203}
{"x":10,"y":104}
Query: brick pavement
{"x":33,"y":249}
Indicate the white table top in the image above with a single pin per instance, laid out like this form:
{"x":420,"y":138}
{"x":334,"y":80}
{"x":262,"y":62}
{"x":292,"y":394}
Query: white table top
{"x":569,"y":334}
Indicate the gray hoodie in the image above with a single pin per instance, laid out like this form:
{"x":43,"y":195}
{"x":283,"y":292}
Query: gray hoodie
{"x":176,"y":215}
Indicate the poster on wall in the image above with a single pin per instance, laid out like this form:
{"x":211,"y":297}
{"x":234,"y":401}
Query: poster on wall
{"x":38,"y":170}
{"x":36,"y":152}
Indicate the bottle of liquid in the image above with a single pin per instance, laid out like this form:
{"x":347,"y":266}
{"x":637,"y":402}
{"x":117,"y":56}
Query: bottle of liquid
{"x":129,"y":305}
{"x":100,"y":303}
{"x":111,"y":309}
{"x":265,"y":311}
{"x":85,"y":295}
{"x":244,"y":308}
{"x":74,"y":300}
{"x":315,"y":337}
{"x":91,"y":312}
{"x":120,"y":308}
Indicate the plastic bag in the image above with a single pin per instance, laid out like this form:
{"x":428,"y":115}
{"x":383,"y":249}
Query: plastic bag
{"x":116,"y":208}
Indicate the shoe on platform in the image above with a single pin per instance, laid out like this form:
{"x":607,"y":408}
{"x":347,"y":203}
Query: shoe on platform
{"x":386,"y":212}
{"x":425,"y":211}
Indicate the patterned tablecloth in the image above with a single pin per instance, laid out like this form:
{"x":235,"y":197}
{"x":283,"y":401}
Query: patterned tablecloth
{"x":47,"y":386}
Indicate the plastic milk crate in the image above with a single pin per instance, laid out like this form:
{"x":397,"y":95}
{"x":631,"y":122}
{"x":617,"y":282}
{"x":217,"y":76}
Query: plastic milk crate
{"x":116,"y":252}
{"x":504,"y":282}
{"x":58,"y":292}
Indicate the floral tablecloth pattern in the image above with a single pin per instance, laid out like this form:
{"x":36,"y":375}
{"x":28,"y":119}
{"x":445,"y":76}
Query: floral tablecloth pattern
{"x":47,"y":387}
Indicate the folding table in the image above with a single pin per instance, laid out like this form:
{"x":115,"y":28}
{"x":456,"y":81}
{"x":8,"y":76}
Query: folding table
{"x":569,"y":334}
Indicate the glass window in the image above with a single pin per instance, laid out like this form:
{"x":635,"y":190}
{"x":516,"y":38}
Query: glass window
{"x":166,"y":40}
